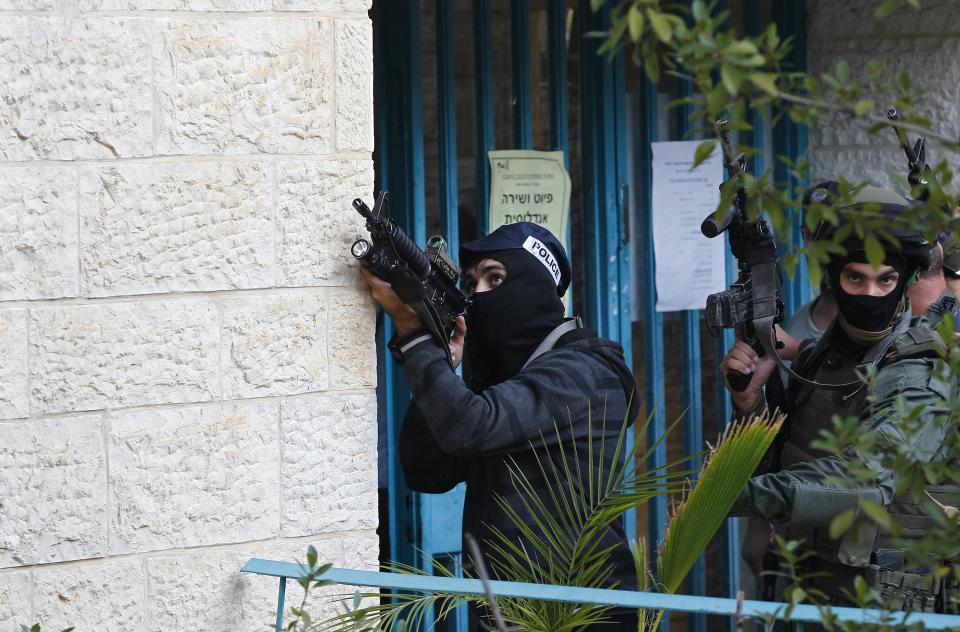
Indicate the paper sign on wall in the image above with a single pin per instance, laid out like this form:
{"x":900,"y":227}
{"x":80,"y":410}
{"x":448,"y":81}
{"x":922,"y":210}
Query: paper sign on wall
{"x":530,"y":186}
{"x":689,"y":266}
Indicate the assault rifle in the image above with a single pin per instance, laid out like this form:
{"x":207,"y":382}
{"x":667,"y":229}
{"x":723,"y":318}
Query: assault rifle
{"x":919,"y":171}
{"x":919,"y":176}
{"x":427,"y":281}
{"x":753,"y":304}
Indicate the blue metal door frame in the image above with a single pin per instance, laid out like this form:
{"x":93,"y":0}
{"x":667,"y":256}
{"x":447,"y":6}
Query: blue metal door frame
{"x":604,"y":179}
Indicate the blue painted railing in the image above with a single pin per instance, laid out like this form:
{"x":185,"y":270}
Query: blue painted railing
{"x":593,"y":596}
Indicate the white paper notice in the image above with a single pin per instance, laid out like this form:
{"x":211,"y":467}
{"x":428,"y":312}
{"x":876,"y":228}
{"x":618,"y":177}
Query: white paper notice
{"x":689,"y":266}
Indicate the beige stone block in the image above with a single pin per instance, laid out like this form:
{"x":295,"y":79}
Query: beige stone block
{"x":103,"y":596}
{"x":193,"y":476}
{"x":176,"y":227}
{"x":332,"y":6}
{"x":38,"y":230}
{"x":354,"y":85}
{"x":362,"y":552}
{"x":14,"y":401}
{"x":352,"y":339}
{"x":126,"y":354}
{"x":939,"y":83}
{"x":881,"y":166}
{"x":15,"y":606}
{"x":275,"y":345}
{"x":52,"y":490}
{"x":74,"y":88}
{"x":855,"y":19}
{"x":174,"y":5}
{"x":206,"y":592}
{"x":317,"y":222}
{"x":329,"y":463}
{"x":27,"y":5}
{"x":243,"y":86}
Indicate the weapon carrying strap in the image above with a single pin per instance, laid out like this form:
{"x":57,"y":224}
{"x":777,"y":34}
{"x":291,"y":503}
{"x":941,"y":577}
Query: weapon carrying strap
{"x":548,"y":343}
{"x":434,"y":324}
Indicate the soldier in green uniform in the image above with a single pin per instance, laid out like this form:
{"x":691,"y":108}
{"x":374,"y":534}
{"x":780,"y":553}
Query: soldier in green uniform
{"x":799,"y":495}
{"x":931,"y":294}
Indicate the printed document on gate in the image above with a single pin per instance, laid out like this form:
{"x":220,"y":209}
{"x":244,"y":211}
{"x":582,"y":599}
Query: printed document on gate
{"x":689,"y":267}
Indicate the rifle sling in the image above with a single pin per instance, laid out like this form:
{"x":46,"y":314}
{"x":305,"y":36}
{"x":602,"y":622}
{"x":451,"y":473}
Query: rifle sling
{"x":431,"y":320}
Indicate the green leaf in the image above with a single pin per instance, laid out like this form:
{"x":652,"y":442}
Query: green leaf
{"x":635,"y":22}
{"x":595,"y":5}
{"x":651,"y":66}
{"x":875,"y":253}
{"x":885,"y":8}
{"x":741,"y":47}
{"x":877,"y":513}
{"x":661,"y":25}
{"x":863,"y":106}
{"x":797,"y":595}
{"x":843,"y":71}
{"x":703,"y":152}
{"x":731,"y":78}
{"x":766,"y":81}
{"x":699,"y":10}
{"x":725,"y":473}
{"x":841,"y":523}
{"x":311,"y":556}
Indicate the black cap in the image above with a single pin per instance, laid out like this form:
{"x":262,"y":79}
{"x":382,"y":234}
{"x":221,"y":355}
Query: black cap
{"x":535,"y":239}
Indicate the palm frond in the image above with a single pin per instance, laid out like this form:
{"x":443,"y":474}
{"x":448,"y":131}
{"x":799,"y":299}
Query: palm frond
{"x":700,"y":514}
{"x":564,"y":524}
{"x":385,"y":616}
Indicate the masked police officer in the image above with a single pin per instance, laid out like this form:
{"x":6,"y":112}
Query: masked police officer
{"x":531,"y":377}
{"x":799,"y":496}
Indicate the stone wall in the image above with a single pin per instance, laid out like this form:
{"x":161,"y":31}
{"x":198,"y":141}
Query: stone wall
{"x":924,"y":42}
{"x":188,"y":362}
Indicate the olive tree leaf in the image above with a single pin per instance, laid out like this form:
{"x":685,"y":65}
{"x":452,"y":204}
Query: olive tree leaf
{"x":703,"y":152}
{"x":877,"y":513}
{"x":660,"y":25}
{"x":636,"y":23}
{"x":875,"y":252}
{"x":841,"y":523}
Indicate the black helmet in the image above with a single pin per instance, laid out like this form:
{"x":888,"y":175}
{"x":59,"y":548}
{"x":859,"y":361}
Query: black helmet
{"x":914,"y":248}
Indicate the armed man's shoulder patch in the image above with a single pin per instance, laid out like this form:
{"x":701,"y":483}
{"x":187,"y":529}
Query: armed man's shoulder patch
{"x":537,"y":248}
{"x":917,"y":342}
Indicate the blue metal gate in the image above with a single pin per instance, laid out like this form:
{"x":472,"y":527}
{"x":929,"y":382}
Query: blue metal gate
{"x":420,"y":527}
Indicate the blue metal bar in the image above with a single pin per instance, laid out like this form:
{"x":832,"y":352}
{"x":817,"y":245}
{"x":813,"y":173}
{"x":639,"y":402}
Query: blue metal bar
{"x":483,"y":98}
{"x":692,"y":378}
{"x":447,"y":124}
{"x":604,"y":178}
{"x":730,"y":531}
{"x":559,"y":111}
{"x":654,"y":386}
{"x":602,"y":132}
{"x":281,"y":598}
{"x":790,"y":139}
{"x":522,"y":88}
{"x":593,"y":596}
{"x":400,"y":148}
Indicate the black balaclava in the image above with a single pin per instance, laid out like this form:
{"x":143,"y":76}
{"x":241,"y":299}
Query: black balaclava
{"x":868,"y":319}
{"x":506,"y":324}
